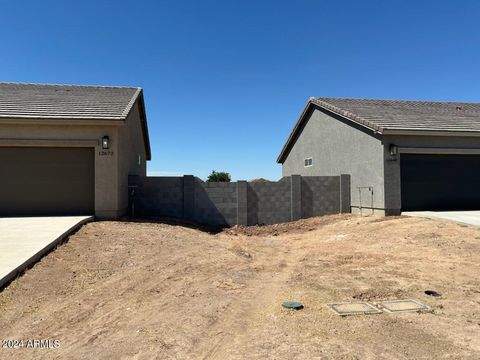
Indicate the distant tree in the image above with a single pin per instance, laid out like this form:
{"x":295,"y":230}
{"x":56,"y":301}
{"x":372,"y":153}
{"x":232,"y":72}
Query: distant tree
{"x":219,"y":176}
{"x":259,"y":180}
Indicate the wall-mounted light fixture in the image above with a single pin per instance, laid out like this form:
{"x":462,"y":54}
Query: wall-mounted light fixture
{"x":105,"y":142}
{"x":393,"y":150}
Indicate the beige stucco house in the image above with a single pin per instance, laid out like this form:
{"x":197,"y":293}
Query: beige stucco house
{"x":68,"y":149}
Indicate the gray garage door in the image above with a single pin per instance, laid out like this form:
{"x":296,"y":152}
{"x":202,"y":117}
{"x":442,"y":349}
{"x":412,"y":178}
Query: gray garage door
{"x":46,"y":181}
{"x":440,"y":182}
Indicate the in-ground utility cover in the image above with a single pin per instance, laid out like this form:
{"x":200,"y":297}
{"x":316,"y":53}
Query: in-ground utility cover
{"x":359,"y":308}
{"x":293,"y":305}
{"x":395,"y":306}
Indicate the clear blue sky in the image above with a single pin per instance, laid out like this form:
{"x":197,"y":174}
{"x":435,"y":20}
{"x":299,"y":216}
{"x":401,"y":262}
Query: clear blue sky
{"x":226,"y":80}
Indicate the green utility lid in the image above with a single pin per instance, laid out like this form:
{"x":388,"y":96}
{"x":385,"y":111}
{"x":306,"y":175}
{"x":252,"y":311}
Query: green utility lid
{"x":292,"y":305}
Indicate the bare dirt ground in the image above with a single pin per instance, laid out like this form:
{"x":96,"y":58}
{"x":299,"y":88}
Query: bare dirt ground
{"x":125,"y":290}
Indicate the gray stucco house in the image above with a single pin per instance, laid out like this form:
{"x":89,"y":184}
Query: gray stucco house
{"x":68,"y":149}
{"x":401,"y":155}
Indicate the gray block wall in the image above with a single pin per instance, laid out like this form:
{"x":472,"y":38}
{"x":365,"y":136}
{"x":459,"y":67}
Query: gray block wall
{"x":243,"y":203}
{"x":337,"y":146}
{"x":215,"y":203}
{"x":269,"y":202}
{"x":162,"y":196}
{"x":316,"y":200}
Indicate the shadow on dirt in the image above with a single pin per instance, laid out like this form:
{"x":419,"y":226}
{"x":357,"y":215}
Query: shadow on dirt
{"x":210,"y":229}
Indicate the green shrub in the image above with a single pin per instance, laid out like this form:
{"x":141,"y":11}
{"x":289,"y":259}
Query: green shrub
{"x":219,"y":176}
{"x":259,"y":180}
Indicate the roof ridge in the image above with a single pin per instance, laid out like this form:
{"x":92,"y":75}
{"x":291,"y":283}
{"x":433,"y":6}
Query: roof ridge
{"x":393,"y":100}
{"x":70,"y":85}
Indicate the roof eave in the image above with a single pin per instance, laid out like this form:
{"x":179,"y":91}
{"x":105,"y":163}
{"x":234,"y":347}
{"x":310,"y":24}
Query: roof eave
{"x":143,"y":119}
{"x":60,"y":117}
{"x":431,"y":132}
{"x":347,"y":115}
{"x":138,"y":96}
{"x":283,"y":152}
{"x":312,"y":102}
{"x":35,"y":120}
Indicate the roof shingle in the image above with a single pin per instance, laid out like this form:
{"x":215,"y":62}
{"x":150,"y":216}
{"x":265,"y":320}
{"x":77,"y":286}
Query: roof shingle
{"x":19,"y":100}
{"x":406,"y":115}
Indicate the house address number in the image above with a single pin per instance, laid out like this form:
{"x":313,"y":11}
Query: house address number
{"x":105,"y":153}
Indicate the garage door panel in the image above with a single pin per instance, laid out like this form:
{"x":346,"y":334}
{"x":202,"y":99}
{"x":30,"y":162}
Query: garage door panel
{"x":46,"y":181}
{"x":440,"y":182}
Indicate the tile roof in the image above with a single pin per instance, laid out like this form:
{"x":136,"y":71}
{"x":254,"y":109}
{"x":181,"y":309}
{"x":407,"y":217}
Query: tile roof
{"x":406,"y":115}
{"x":396,"y":116}
{"x":20,"y":100}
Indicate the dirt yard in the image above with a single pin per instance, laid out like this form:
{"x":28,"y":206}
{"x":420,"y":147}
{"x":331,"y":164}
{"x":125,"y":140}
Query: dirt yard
{"x":125,"y":290}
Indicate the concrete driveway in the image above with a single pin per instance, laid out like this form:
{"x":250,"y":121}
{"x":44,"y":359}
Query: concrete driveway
{"x":23,"y":241}
{"x":463,"y":217}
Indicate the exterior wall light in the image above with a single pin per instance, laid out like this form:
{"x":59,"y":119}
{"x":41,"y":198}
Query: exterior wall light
{"x":105,"y":142}
{"x":393,"y":150}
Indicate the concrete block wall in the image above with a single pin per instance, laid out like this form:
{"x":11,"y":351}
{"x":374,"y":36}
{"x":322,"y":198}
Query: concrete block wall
{"x":269,"y":202}
{"x":162,"y":196}
{"x":320,"y":194}
{"x":215,"y":203}
{"x":243,"y":203}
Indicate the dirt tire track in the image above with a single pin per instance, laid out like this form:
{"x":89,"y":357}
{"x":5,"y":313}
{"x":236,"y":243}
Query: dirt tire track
{"x":147,"y":290}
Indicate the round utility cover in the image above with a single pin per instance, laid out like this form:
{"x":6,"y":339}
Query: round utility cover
{"x":294,"y":305}
{"x":432,"y":293}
